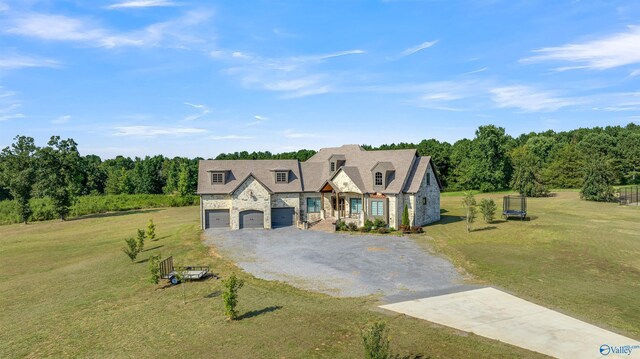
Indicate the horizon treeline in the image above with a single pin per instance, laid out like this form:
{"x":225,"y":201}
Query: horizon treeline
{"x":487,"y":162}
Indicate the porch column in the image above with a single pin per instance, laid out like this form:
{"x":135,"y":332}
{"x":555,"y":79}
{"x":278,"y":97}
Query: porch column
{"x":322,"y":214}
{"x":361,"y":219}
{"x":338,"y":204}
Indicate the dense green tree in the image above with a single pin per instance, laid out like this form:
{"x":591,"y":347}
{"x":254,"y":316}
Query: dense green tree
{"x":183,"y":181}
{"x":490,"y":169}
{"x":94,"y":176}
{"x":566,"y":169}
{"x":60,"y":176}
{"x":18,"y":172}
{"x":527,"y":178}
{"x":597,"y":180}
{"x":440,"y":153}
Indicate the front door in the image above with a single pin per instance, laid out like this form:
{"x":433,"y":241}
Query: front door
{"x":339,"y":206}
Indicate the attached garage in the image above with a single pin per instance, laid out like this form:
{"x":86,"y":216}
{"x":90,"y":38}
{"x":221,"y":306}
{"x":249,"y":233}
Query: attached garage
{"x":282,"y":217}
{"x":251,"y":219}
{"x":216,"y":218}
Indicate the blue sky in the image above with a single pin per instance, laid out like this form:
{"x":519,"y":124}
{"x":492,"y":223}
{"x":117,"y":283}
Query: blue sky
{"x":196,"y":78}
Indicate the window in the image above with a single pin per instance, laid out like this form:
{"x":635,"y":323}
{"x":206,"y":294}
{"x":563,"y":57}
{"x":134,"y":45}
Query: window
{"x":333,"y":166}
{"x":428,"y":179}
{"x":424,"y":201}
{"x":377,"y":208}
{"x":355,"y":205}
{"x":313,"y":205}
{"x":378,"y":179}
{"x":217,"y":178}
{"x":281,"y":177}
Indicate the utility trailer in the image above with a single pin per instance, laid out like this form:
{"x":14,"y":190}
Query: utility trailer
{"x":168,"y":271}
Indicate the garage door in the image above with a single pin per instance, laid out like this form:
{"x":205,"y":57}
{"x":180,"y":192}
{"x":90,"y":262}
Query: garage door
{"x":282,"y":217}
{"x":251,"y":219}
{"x":216,"y":218}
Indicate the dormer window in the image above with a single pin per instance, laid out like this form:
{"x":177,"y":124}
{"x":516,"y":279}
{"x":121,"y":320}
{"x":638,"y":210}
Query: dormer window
{"x":333,"y":166}
{"x":217,"y":178}
{"x":378,"y":179}
{"x":282,"y":177}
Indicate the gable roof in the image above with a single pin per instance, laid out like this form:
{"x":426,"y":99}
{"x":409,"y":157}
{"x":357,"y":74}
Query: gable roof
{"x":417,"y":175}
{"x":353,"y":174}
{"x":239,"y":170}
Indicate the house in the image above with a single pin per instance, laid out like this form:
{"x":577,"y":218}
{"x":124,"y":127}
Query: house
{"x":346,"y":183}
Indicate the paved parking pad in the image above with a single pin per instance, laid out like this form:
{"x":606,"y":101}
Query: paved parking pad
{"x":338,"y":264}
{"x":497,"y":315}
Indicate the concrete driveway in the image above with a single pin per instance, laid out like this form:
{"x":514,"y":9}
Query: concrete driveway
{"x":342,"y":265}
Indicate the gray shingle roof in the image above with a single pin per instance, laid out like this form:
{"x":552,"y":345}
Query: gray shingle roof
{"x":309,"y":176}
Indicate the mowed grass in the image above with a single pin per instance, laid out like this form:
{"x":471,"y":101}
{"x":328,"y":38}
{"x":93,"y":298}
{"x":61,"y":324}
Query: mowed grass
{"x":581,"y":258}
{"x":67,"y":290}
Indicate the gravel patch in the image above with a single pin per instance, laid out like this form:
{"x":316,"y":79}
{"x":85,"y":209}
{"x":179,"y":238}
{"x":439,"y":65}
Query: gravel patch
{"x":341,"y":265}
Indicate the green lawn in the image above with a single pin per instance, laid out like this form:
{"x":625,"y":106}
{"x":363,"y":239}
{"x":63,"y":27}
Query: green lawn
{"x":67,"y":290}
{"x":581,"y":258}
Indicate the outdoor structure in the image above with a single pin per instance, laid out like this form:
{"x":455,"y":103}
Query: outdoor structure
{"x":342,"y":183}
{"x":629,"y":196}
{"x":514,"y":206}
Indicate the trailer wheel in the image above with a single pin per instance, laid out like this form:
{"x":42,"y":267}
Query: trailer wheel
{"x":174,"y":280}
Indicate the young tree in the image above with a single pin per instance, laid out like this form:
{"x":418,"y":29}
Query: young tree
{"x":183,"y":180}
{"x":131,"y":250}
{"x":18,"y":172}
{"x":469,"y":202}
{"x":376,"y":341}
{"x":488,"y":209}
{"x":526,"y":176}
{"x":230,"y":296}
{"x":140,"y":239}
{"x":154,"y":269}
{"x":405,"y":216}
{"x":60,"y":176}
{"x":151,"y":230}
{"x":597,"y":181}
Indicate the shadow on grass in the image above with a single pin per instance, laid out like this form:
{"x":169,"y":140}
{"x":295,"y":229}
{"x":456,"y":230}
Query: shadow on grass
{"x":518,"y":219}
{"x":410,"y":356}
{"x":446,"y":219}
{"x":488,"y":228}
{"x":214,"y":294}
{"x":143,"y":260}
{"x":152,"y":248}
{"x":255,"y":313}
{"x":114,"y":214}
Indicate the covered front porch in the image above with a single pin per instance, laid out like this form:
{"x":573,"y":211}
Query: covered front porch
{"x":345,"y":206}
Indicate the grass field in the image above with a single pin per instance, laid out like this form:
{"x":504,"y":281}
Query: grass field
{"x":67,"y":290}
{"x":581,"y":258}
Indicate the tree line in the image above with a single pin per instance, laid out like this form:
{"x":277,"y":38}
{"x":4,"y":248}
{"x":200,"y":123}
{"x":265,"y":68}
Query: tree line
{"x":590,"y":158}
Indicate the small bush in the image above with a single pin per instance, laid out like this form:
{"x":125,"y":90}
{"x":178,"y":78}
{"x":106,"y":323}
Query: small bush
{"x":151,"y":230}
{"x":230,"y":296}
{"x":154,"y":269}
{"x":405,"y":216}
{"x":341,"y":226}
{"x":364,"y":229}
{"x":417,"y":229}
{"x":376,"y":341}
{"x":378,"y":223}
{"x":383,"y":230}
{"x":488,"y":209}
{"x":131,"y":250}
{"x":368,"y":224}
{"x":140,"y":240}
{"x":352,"y":227}
{"x":404,"y":228}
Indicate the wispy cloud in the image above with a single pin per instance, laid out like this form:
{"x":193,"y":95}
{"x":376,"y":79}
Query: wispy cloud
{"x":295,"y":134}
{"x":231,"y":137}
{"x":64,"y":28}
{"x":412,"y":50}
{"x":528,"y":99}
{"x":292,"y":76}
{"x":153,"y":131}
{"x":141,"y":4}
{"x":21,"y":61}
{"x":61,"y":120}
{"x":204,"y":110}
{"x":9,"y":105}
{"x":615,"y":50}
{"x":635,"y":73}
{"x":476,"y":71}
{"x":11,"y":116}
{"x":258,"y":120}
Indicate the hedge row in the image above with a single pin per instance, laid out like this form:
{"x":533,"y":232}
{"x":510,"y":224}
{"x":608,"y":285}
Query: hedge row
{"x":43,"y":208}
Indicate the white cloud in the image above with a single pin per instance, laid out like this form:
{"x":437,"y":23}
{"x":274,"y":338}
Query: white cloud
{"x":61,"y":120}
{"x":420,"y":47}
{"x":10,"y":107}
{"x":21,"y":61}
{"x":152,"y":131}
{"x":260,"y":118}
{"x":11,"y":116}
{"x":476,"y":71}
{"x":231,"y":137}
{"x":294,"y":134}
{"x":142,"y":4}
{"x":203,"y":111}
{"x":528,"y":99}
{"x":615,"y":50}
{"x":63,"y":28}
{"x":635,"y":73}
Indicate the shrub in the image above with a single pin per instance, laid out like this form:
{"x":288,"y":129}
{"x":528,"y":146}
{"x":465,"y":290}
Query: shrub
{"x":140,"y":239}
{"x":417,"y":229}
{"x":151,"y":230}
{"x":364,"y":229}
{"x":341,"y":226}
{"x":352,"y":227}
{"x":376,"y":341}
{"x":154,"y":269}
{"x":488,"y":209}
{"x":469,"y":202}
{"x":230,"y":296}
{"x":368,"y":224}
{"x":383,"y":230}
{"x":597,"y":181}
{"x":404,"y":228}
{"x":378,"y":223}
{"x":405,"y":216}
{"x":131,"y":250}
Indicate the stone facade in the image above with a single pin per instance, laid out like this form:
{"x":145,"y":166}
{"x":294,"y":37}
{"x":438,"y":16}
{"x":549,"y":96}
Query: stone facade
{"x":280,"y":200}
{"x":250,"y":195}
{"x":429,"y":212}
